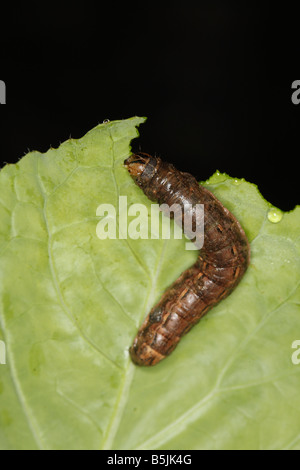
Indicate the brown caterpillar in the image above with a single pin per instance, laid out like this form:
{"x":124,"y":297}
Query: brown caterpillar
{"x":221,"y":263}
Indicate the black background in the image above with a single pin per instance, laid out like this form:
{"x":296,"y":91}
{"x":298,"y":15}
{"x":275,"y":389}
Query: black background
{"x":213,"y":78}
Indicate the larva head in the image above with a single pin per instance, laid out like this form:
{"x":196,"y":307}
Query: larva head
{"x":141,"y":166}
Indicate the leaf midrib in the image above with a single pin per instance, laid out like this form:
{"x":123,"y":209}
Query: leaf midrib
{"x":130,"y":369}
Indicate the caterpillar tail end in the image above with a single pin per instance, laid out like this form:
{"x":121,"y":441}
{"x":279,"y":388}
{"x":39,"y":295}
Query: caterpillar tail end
{"x":143,"y":355}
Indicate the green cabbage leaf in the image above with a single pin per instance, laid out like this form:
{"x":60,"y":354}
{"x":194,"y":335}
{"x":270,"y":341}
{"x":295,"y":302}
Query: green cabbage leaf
{"x":71,"y":304}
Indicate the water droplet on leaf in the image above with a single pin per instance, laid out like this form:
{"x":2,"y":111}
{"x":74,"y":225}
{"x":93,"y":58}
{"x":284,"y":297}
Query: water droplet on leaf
{"x":275,"y":215}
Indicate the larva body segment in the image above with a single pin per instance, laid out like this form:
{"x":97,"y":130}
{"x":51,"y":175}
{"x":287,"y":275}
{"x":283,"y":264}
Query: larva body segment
{"x":221,"y":263}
